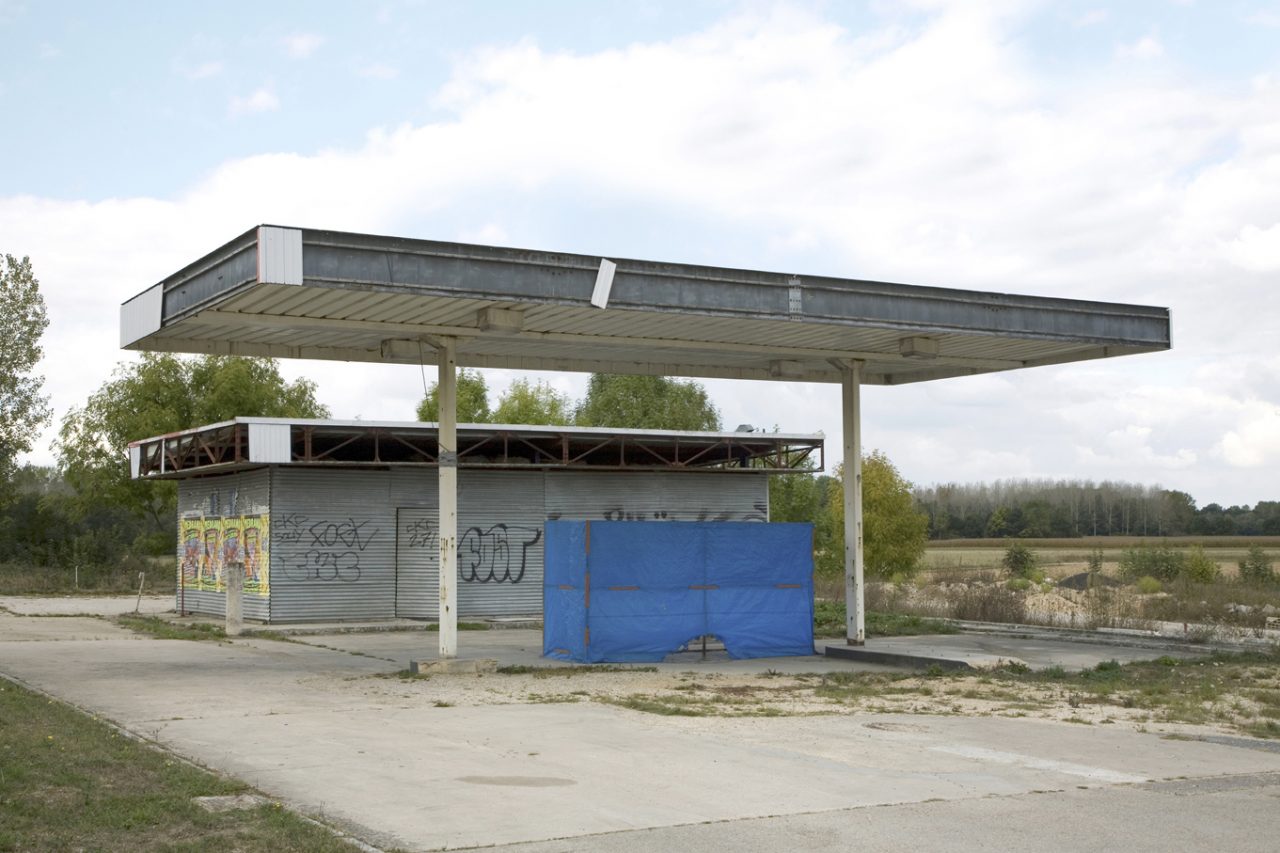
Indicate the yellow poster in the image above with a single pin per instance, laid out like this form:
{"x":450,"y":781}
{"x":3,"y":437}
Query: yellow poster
{"x":190,"y":543}
{"x":209,"y":574}
{"x":254,"y":546}
{"x":210,"y":546}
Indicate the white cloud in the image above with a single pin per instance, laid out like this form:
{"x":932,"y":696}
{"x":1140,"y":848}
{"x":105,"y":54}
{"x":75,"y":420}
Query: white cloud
{"x":301,"y":45}
{"x":1255,"y":442}
{"x":1256,"y":249}
{"x":261,"y":100}
{"x":782,"y":141}
{"x":1147,"y":47}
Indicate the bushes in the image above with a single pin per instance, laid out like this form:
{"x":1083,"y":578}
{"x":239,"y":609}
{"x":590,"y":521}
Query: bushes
{"x":1199,"y":567}
{"x":1159,"y":561}
{"x":1255,"y":568}
{"x":1164,"y":563}
{"x":1021,"y":561}
{"x":1148,"y":585}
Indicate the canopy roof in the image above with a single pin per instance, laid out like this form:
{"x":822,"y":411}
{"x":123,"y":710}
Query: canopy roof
{"x":303,"y":293}
{"x":251,"y":442}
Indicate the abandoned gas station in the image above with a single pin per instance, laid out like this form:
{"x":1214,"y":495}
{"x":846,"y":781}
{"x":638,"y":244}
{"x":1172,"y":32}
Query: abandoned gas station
{"x":309,"y":294}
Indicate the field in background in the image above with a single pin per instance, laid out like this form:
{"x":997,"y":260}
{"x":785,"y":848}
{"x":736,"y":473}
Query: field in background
{"x":1062,"y":557}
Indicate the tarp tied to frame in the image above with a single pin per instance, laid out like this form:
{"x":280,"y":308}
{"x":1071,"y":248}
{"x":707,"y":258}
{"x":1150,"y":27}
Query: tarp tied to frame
{"x":624,"y":591}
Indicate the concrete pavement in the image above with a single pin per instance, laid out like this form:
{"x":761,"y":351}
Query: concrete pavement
{"x":326,"y":725}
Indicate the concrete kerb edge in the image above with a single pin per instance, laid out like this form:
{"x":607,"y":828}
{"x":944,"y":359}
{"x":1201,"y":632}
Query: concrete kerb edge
{"x":1120,"y":637}
{"x":342,"y":834}
{"x":902,"y":659}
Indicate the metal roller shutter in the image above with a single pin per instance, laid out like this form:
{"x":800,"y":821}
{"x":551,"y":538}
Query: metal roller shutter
{"x":333,"y":539}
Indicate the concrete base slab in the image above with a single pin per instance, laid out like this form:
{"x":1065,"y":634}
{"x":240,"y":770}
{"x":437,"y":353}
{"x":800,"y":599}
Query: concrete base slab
{"x":326,"y":731}
{"x":230,"y":803}
{"x":453,"y":666}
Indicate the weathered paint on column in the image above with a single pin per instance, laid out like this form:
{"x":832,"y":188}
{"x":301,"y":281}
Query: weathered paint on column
{"x":447,"y":398}
{"x":855,"y":613}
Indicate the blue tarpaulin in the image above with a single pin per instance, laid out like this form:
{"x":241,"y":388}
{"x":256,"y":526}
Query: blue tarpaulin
{"x":623,"y":591}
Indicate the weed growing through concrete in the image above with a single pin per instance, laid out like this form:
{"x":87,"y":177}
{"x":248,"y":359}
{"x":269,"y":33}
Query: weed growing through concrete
{"x":1232,"y":692}
{"x":163,"y":629}
{"x":565,"y":671}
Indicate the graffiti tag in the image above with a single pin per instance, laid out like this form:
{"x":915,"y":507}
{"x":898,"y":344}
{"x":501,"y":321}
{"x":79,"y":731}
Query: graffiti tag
{"x":349,"y":533}
{"x":490,"y":556}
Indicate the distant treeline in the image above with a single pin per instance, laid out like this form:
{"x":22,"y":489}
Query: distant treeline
{"x":1071,"y":508}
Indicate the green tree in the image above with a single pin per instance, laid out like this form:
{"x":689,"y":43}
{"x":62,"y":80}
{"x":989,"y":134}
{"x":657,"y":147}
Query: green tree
{"x":1255,"y":568}
{"x":473,"y":400}
{"x":646,"y":402}
{"x":894,"y":532}
{"x":162,"y":393}
{"x":528,"y":402}
{"x":22,"y":321}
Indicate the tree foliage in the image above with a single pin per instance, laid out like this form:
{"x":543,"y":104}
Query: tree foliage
{"x":528,"y":402}
{"x":162,"y":393}
{"x":894,"y":532}
{"x":646,"y":402}
{"x":473,"y":400}
{"x":23,"y":409}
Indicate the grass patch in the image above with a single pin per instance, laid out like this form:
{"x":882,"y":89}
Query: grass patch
{"x":162,"y":629}
{"x":70,"y":782}
{"x":463,"y":626}
{"x":667,"y":706}
{"x":566,"y":671}
{"x":829,"y":621}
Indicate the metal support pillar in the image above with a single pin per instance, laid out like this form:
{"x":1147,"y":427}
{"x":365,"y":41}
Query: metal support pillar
{"x":855,"y":607}
{"x":447,"y":400}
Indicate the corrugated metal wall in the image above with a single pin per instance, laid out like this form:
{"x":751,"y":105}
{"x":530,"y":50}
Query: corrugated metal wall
{"x":352,"y":544}
{"x":333,"y":545}
{"x":655,"y":496}
{"x":415,"y":494}
{"x":500,"y":515}
{"x":207,"y":498}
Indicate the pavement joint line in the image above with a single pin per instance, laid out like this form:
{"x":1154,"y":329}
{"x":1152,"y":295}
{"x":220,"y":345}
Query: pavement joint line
{"x":990,"y":795}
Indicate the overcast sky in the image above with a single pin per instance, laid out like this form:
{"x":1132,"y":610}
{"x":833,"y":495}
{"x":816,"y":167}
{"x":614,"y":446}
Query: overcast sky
{"x":1125,"y":152}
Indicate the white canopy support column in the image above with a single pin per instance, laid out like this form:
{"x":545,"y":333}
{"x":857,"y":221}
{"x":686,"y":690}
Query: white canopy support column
{"x":447,"y":400}
{"x":855,"y":607}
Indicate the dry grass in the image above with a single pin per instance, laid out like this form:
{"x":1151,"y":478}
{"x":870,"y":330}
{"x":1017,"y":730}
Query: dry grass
{"x":18,"y":579}
{"x":1229,"y":693}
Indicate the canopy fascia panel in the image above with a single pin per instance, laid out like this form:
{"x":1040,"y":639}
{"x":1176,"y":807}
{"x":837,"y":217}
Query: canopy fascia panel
{"x":303,"y":293}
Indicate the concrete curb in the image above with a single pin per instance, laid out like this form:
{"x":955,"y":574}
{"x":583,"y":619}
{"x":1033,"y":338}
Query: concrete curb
{"x":865,"y":655}
{"x":1123,"y":637}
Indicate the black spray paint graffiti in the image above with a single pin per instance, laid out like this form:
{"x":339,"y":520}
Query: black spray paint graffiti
{"x":335,"y":549}
{"x":489,"y":556}
{"x":759,"y":512}
{"x":420,"y":534}
{"x":289,"y":528}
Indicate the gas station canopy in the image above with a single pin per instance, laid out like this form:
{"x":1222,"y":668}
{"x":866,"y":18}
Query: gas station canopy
{"x":304,"y":293}
{"x":300,"y":293}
